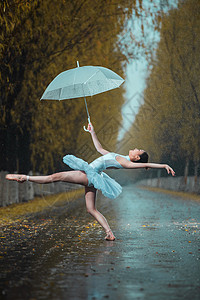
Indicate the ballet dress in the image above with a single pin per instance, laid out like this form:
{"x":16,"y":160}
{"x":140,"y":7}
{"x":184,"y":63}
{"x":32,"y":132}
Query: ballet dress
{"x":94,"y":171}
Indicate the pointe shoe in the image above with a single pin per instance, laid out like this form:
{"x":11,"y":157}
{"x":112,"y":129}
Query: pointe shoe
{"x":16,"y":177}
{"x":110,"y":236}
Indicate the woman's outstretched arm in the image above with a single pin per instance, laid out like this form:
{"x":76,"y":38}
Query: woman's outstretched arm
{"x":95,"y":140}
{"x":131,"y":165}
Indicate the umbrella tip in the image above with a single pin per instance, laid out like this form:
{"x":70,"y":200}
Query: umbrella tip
{"x":77,"y":63}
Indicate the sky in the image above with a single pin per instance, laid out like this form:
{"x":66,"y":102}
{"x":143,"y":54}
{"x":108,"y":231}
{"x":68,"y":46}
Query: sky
{"x":137,"y":69}
{"x":136,"y":74}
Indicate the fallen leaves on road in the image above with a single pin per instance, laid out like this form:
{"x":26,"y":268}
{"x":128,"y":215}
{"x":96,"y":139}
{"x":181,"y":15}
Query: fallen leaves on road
{"x":14,"y":212}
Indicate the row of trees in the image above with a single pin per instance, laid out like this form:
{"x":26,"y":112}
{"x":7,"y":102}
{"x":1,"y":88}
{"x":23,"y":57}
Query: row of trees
{"x":39,"y":39}
{"x":168,"y":123}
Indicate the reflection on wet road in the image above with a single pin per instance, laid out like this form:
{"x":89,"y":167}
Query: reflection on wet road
{"x":156,"y":254}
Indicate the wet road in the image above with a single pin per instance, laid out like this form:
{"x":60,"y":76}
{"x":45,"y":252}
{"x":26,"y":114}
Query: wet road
{"x":156,"y":254}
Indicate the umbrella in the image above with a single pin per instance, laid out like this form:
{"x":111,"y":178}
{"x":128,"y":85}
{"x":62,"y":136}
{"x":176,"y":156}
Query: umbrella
{"x":82,"y":82}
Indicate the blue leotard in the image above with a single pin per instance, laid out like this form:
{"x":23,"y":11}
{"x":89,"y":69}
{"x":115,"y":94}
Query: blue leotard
{"x":100,"y":180}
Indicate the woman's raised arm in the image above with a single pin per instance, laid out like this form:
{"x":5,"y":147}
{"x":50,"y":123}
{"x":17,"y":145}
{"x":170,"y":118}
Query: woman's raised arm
{"x":131,"y":165}
{"x":95,"y":140}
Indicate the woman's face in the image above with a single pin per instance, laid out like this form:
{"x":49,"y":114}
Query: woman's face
{"x":135,"y":154}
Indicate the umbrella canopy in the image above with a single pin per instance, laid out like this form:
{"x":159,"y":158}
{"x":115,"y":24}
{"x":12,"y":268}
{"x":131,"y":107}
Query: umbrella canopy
{"x":82,"y":82}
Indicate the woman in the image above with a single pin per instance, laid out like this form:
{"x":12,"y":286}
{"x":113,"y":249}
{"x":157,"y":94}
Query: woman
{"x":92,"y":177}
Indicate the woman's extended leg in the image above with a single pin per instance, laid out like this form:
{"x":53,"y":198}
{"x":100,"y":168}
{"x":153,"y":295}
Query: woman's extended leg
{"x":77,"y":177}
{"x":90,"y":197}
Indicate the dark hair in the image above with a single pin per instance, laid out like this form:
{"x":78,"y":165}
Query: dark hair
{"x":143,"y":158}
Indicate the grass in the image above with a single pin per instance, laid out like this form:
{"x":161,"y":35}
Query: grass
{"x":15,"y":212}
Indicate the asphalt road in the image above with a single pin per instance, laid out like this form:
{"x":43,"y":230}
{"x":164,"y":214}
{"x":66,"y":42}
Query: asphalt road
{"x":156,"y":254}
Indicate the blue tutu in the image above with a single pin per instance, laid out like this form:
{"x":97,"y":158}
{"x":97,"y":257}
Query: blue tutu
{"x":101,"y":181}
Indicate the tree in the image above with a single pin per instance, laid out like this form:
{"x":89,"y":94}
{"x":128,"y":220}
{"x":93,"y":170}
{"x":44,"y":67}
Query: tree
{"x":37,"y":43}
{"x":39,"y":39}
{"x":171,"y":128}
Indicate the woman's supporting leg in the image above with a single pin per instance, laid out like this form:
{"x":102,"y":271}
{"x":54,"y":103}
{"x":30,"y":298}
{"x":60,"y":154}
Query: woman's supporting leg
{"x":77,"y":177}
{"x":90,"y":199}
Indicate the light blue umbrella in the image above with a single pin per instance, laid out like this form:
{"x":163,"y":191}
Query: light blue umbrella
{"x":82,"y":82}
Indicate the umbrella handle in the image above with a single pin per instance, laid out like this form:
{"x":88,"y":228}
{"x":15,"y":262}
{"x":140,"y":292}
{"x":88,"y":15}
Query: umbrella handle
{"x":88,"y":123}
{"x":85,"y":128}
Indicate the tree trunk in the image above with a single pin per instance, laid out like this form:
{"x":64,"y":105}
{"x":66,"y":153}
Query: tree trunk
{"x":186,"y":170}
{"x":196,"y":168}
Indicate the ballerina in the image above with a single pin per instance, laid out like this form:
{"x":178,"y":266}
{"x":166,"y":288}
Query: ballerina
{"x":93,"y":178}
